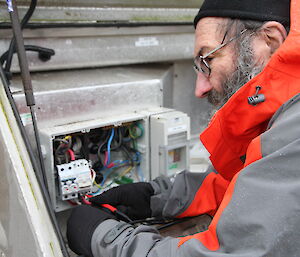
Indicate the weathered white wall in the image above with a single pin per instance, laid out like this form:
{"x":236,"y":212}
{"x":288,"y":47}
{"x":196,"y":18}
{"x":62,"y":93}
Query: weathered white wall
{"x":25,"y":228}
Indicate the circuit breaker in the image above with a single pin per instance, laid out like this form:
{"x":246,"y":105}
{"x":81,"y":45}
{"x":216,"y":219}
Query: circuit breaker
{"x":74,"y":178}
{"x":170,"y":136}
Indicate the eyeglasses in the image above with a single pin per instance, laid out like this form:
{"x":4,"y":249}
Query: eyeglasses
{"x":201,"y":63}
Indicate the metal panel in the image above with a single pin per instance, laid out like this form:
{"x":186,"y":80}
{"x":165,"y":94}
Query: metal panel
{"x":109,"y":31}
{"x":118,"y":3}
{"x":108,"y":46}
{"x":72,"y":96}
{"x":97,"y":14}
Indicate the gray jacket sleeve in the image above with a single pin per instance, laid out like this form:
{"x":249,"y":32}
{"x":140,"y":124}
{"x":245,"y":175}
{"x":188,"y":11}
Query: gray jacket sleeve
{"x":171,"y":199}
{"x":133,"y":242}
{"x":178,"y":199}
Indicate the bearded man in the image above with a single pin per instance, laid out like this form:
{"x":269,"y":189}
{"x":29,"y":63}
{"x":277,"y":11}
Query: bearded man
{"x":247,"y":59}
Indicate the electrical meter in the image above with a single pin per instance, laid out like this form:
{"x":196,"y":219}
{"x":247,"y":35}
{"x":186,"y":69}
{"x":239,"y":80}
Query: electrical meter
{"x":170,"y":136}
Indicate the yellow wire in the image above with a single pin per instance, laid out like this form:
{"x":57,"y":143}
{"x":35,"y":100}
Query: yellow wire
{"x":97,"y":185}
{"x":131,"y":133}
{"x":67,"y":137}
{"x":126,"y":171}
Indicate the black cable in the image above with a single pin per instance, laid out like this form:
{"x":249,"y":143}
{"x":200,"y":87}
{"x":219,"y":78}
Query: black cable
{"x":117,"y":145}
{"x":26,"y":79}
{"x":38,"y":144}
{"x":127,"y":153}
{"x":7,"y":25}
{"x":171,"y":223}
{"x":164,"y":223}
{"x":151,"y":221}
{"x":85,"y":147}
{"x":100,"y":147}
{"x":24,"y":21}
{"x":120,"y":134}
{"x":43,"y":52}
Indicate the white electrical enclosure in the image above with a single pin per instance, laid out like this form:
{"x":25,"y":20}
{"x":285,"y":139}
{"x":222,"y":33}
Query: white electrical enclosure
{"x":92,"y":156}
{"x":68,"y":183}
{"x":170,"y":136}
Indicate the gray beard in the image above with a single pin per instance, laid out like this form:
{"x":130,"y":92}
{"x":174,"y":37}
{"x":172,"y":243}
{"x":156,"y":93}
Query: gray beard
{"x":245,"y":71}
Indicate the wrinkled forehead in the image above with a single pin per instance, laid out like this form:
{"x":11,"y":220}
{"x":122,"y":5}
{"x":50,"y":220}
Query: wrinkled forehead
{"x":210,"y":32}
{"x":211,"y":27}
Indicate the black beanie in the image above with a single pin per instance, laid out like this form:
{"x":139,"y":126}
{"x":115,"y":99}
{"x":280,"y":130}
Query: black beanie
{"x":259,"y":10}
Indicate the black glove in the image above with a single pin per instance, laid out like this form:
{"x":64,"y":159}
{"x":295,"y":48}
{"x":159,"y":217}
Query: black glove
{"x":131,"y":199}
{"x":81,"y":226}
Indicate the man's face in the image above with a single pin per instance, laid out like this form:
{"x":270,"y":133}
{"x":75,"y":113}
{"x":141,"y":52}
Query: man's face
{"x":231,"y":66}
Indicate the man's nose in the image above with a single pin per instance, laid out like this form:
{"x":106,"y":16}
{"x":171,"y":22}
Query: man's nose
{"x":203,"y":86}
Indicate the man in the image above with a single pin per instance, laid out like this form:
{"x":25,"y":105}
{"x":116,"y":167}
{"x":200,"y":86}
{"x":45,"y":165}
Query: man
{"x":253,"y":189}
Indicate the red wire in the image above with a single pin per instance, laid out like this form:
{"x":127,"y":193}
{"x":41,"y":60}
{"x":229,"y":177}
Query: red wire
{"x":106,"y":158}
{"x":72,"y":155}
{"x":108,"y":206}
{"x":110,"y":165}
{"x":85,"y":201}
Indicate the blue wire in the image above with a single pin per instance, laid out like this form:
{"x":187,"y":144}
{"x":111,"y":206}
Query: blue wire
{"x":137,"y":160}
{"x":110,"y":170}
{"x":109,"y":144}
{"x":95,"y":193}
{"x":105,"y":176}
{"x":137,"y":157}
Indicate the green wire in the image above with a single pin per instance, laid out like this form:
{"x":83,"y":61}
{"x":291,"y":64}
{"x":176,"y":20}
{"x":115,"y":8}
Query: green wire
{"x":133,"y":133}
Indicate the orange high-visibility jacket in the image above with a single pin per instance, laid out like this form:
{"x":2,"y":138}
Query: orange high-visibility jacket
{"x":253,"y":189}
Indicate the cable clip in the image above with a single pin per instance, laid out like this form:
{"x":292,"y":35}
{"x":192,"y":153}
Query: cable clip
{"x":257,"y":98}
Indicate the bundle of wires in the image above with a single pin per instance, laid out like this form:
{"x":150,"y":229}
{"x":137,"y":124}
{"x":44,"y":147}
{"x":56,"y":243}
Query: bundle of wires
{"x":105,"y":167}
{"x":63,"y":152}
{"x":120,"y":139}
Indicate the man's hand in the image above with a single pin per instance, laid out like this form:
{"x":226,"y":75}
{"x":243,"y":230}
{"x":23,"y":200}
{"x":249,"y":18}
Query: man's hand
{"x":131,"y":199}
{"x":81,"y":226}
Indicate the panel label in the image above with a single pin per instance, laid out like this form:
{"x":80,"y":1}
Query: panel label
{"x":176,"y":129}
{"x":146,"y":41}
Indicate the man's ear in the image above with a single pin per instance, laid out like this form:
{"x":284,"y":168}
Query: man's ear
{"x":274,"y":34}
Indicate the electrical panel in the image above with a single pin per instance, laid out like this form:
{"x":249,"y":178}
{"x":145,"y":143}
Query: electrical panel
{"x":86,"y":158}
